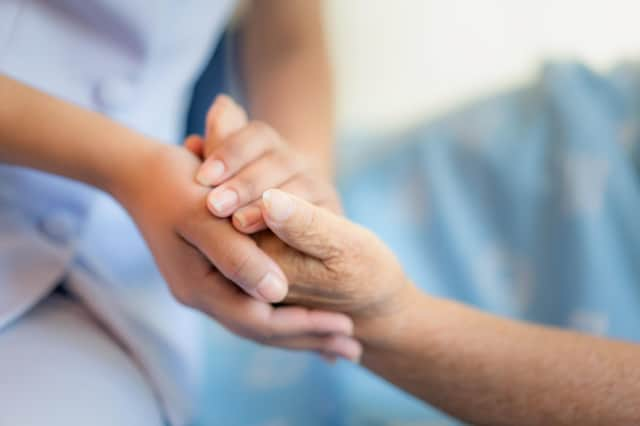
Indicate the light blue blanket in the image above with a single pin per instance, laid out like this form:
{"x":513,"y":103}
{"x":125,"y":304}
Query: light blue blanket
{"x":526,"y":204}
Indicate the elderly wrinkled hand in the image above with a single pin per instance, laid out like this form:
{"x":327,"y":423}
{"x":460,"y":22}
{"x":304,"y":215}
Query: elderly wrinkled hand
{"x":331,"y":263}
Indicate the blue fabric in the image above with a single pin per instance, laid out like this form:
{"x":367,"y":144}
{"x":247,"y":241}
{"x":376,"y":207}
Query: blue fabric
{"x":524,"y":204}
{"x":215,"y":79}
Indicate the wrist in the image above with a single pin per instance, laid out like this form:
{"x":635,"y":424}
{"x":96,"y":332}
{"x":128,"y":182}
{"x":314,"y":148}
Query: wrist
{"x":120,"y":179}
{"x":378,"y":329}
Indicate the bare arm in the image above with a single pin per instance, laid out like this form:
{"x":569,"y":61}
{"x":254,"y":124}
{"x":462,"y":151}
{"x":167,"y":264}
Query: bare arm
{"x":287,"y":74}
{"x":200,"y":257}
{"x":477,"y":367}
{"x":42,"y":132}
{"x":489,"y":370}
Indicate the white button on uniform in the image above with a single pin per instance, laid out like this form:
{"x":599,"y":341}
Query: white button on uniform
{"x":59,"y":226}
{"x":115,"y":93}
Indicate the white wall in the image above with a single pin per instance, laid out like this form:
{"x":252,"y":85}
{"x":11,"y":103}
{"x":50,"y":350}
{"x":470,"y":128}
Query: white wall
{"x":397,"y":61}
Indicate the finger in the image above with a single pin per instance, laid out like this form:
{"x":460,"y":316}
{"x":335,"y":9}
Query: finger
{"x":238,"y":258}
{"x":193,"y":267}
{"x":333,"y":345}
{"x":241,"y":148}
{"x":260,"y":321}
{"x":249,"y":219}
{"x":296,"y":320}
{"x":300,"y":270}
{"x":248,"y":185}
{"x":224,"y":118}
{"x":312,"y":230}
{"x":314,"y":190}
{"x":194,"y":144}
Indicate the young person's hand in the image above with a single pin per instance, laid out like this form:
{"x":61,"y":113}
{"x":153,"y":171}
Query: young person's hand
{"x":206,"y":261}
{"x":243,"y":159}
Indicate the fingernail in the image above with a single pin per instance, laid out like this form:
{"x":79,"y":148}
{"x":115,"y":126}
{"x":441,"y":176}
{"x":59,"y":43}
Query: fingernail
{"x":223,"y":200}
{"x":279,"y":205}
{"x":248,"y":217}
{"x":210,"y":172}
{"x":272,"y":288}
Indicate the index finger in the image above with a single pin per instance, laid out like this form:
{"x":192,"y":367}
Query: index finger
{"x":224,"y":118}
{"x":237,"y":257}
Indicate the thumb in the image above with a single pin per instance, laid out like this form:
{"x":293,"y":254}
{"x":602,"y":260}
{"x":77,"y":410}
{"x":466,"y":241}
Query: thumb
{"x":224,"y":118}
{"x":311,"y":229}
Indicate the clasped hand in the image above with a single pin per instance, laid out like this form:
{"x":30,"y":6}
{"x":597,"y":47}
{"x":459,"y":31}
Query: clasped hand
{"x":282,"y":245}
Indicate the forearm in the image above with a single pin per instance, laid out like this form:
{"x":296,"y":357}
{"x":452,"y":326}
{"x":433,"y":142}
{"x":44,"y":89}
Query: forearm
{"x":287,"y":75}
{"x":478,"y":367}
{"x":488,"y":370}
{"x":45,"y":133}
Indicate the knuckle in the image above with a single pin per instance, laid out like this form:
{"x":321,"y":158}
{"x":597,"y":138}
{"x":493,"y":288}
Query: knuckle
{"x":237,"y":148}
{"x":338,"y":269}
{"x":254,"y":140}
{"x":236,"y":264}
{"x":230,"y":152}
{"x":265,"y":133}
{"x":245,"y":188}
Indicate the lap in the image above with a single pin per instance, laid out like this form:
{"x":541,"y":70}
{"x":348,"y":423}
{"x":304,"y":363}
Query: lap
{"x":59,"y":367}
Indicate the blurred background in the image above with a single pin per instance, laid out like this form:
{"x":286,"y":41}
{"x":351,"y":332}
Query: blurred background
{"x":399,"y":62}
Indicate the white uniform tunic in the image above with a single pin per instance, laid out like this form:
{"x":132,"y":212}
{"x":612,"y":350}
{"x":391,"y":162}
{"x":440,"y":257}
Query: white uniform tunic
{"x":135,"y":61}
